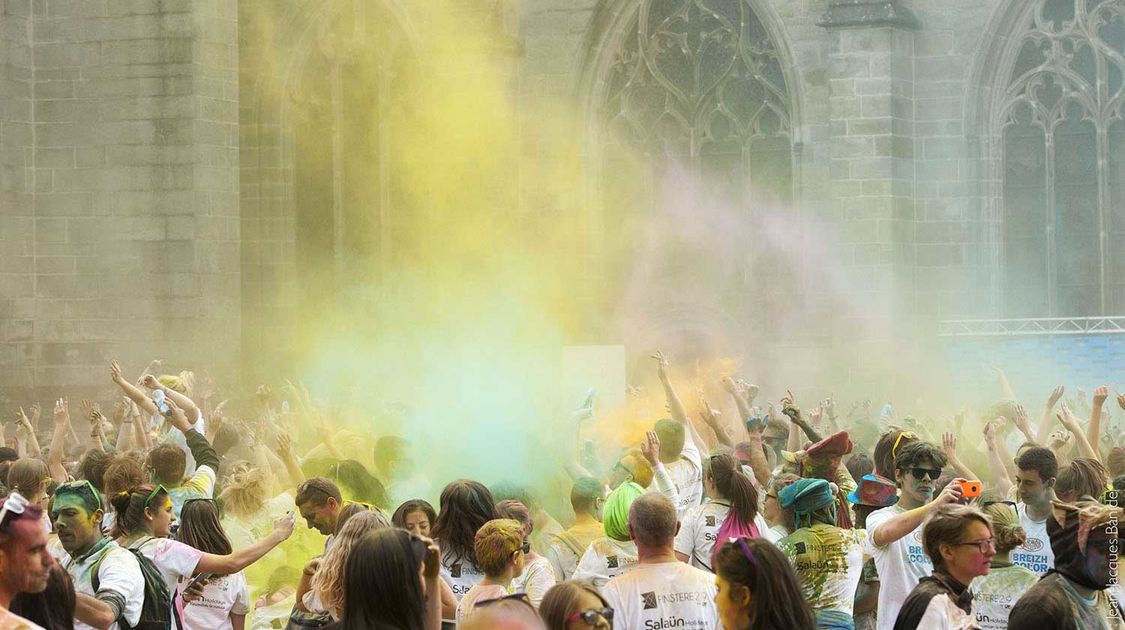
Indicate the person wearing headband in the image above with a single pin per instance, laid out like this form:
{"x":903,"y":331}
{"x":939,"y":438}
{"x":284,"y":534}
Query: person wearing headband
{"x":757,"y":589}
{"x":89,"y":556}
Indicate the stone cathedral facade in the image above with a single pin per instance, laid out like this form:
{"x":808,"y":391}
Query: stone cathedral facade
{"x":157,"y":186}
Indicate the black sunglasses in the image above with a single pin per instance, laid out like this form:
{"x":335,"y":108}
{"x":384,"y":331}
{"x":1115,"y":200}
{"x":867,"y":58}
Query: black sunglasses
{"x":590,"y":617}
{"x":922,"y":473}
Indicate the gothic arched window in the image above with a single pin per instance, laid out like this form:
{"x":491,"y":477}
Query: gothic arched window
{"x":1063,"y":125}
{"x":700,"y":82}
{"x":698,"y":89}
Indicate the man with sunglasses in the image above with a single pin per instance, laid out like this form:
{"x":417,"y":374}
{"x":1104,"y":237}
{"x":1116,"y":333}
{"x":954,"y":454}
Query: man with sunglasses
{"x":76,"y":510}
{"x":899,"y":554}
{"x":25,"y":563}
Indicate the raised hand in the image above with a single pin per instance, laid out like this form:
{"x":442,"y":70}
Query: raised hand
{"x":815,"y":415}
{"x":729,"y":385}
{"x":89,"y":408}
{"x":284,"y":526}
{"x":1058,"y":439}
{"x":1100,"y":396}
{"x":661,"y":365}
{"x":149,"y":381}
{"x":650,"y":448}
{"x":1056,"y":394}
{"x":1068,"y":419}
{"x":1121,"y":401}
{"x":62,"y":412}
{"x":21,"y":419}
{"x":284,"y":444}
{"x":952,"y":493}
{"x":115,"y":372}
{"x":36,"y":410}
{"x":949,"y":445}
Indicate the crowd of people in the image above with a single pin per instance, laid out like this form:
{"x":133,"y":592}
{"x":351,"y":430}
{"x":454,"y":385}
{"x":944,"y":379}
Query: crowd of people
{"x":172,"y":514}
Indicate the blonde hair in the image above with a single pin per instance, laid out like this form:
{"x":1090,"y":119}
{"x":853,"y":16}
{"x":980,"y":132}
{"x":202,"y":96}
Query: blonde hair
{"x":244,"y":492}
{"x":181,"y":382}
{"x":495,"y":543}
{"x":328,"y":583}
{"x":1005,"y":526}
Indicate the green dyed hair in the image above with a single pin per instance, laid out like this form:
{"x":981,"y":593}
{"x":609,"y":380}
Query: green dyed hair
{"x":615,"y":514}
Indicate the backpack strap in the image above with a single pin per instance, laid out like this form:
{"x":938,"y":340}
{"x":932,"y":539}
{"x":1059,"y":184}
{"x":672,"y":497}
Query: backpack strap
{"x":570,"y":542}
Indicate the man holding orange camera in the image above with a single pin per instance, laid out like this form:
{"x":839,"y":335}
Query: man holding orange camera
{"x":899,"y":556}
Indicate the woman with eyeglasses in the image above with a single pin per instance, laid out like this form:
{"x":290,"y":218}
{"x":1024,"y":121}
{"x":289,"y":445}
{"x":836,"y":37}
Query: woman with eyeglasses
{"x":500,"y":550}
{"x":144,"y":522}
{"x":389,"y":581}
{"x":958,"y":540}
{"x":575,"y":605}
{"x":995,"y":594}
{"x":226,"y":598}
{"x":757,"y":589}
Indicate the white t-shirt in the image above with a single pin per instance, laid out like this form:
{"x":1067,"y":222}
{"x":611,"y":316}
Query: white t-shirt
{"x":699,"y":528}
{"x":663,"y":595}
{"x":995,"y":594}
{"x":604,"y":559}
{"x":1035,"y":553}
{"x":173,"y":559}
{"x":901,"y":564}
{"x":537,"y":578}
{"x":687,"y":474}
{"x":118,"y":572}
{"x":460,"y":574}
{"x":828,"y":562}
{"x":222,"y":597}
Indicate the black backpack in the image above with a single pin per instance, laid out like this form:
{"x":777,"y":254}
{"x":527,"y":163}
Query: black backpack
{"x":156,"y":611}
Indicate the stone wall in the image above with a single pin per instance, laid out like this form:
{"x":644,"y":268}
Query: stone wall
{"x":134,"y":206}
{"x":17,"y":218}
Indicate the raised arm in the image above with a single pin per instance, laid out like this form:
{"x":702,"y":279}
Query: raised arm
{"x":1094,"y":431}
{"x":902,"y":524}
{"x":183,"y":402}
{"x":32,"y":440}
{"x":55,"y":457}
{"x":949,"y":445}
{"x":285,"y":451}
{"x":1048,"y":416}
{"x":675,"y":405}
{"x":242,"y":558}
{"x":759,"y":463}
{"x":1023,"y":423}
{"x":650,"y":448}
{"x":1000,"y":476}
{"x":132,"y":391}
{"x":710,"y":417}
{"x":1070,"y":422}
{"x":740,"y":401}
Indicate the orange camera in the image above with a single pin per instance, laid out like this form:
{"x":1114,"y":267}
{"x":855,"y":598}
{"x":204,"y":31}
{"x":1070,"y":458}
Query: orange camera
{"x":970,"y":489}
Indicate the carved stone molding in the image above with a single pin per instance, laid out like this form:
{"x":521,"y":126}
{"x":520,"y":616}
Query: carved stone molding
{"x":868,"y":14}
